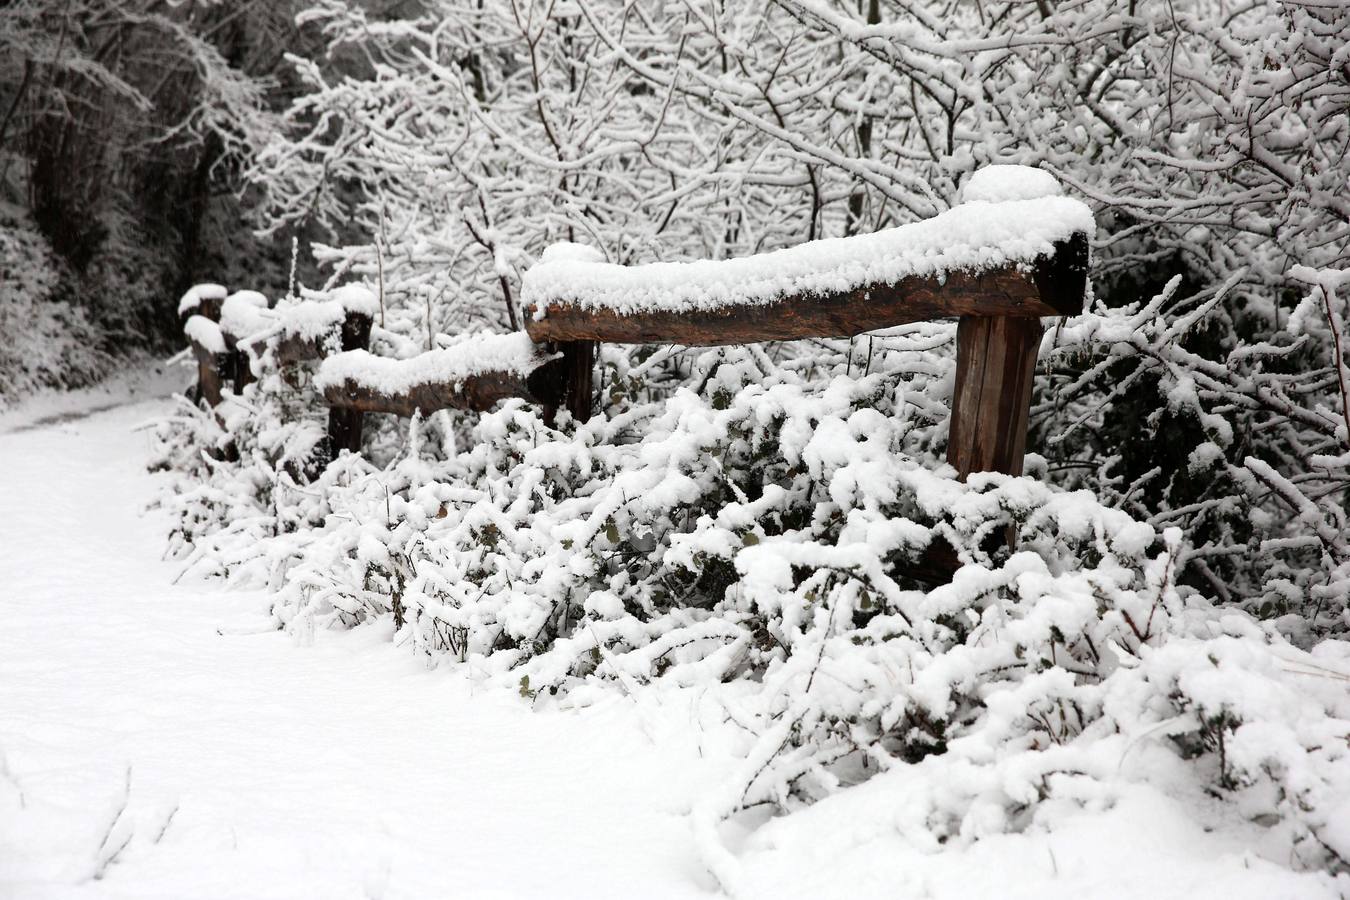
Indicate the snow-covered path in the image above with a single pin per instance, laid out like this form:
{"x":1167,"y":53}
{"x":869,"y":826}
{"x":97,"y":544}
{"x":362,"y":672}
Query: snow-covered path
{"x":250,"y":767}
{"x":160,"y":741}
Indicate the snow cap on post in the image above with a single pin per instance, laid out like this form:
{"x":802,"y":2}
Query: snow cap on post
{"x":568,"y":251}
{"x":204,"y":333}
{"x":192,"y":300}
{"x":255,"y":299}
{"x":356,"y":298}
{"x":244,"y":313}
{"x":999,"y":184}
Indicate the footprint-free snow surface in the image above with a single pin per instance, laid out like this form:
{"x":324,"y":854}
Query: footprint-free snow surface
{"x":162,"y":741}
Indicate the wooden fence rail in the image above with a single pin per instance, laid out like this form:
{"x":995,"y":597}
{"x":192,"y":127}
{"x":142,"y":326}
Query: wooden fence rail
{"x":997,"y":343}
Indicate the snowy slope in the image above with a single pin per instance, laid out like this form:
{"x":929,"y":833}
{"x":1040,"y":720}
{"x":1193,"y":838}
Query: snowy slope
{"x":159,"y":740}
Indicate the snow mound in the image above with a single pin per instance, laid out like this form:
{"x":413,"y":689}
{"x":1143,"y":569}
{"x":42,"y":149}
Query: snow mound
{"x":199,"y":292}
{"x":205,"y":334}
{"x":355,"y":298}
{"x":310,"y":319}
{"x":244,"y":313}
{"x":318,"y":314}
{"x":974,"y":236}
{"x":1004,"y":184}
{"x":567,"y":250}
{"x":473,"y":355}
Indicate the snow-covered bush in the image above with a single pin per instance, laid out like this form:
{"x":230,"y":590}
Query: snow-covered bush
{"x":1244,"y":443}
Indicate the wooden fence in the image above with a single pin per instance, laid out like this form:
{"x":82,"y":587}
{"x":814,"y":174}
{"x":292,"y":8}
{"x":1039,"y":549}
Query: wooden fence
{"x":998,"y":309}
{"x":998,"y":336}
{"x":225,"y":343}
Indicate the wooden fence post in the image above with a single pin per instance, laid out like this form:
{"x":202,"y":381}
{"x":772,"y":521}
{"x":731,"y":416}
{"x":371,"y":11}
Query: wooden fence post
{"x":344,"y":424}
{"x":240,"y":372}
{"x":208,"y":307}
{"x":208,"y":375}
{"x":567,"y":382}
{"x":995,"y":362}
{"x":995,"y":365}
{"x":579,"y":364}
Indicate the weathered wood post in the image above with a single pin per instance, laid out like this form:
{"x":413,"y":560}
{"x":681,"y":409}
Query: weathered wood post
{"x":995,"y":361}
{"x":995,"y":364}
{"x":567,"y":382}
{"x":344,"y":423}
{"x":242,"y":315}
{"x":204,"y":301}
{"x":208,"y":374}
{"x":579,"y":362}
{"x":995,"y":369}
{"x":241,"y":373}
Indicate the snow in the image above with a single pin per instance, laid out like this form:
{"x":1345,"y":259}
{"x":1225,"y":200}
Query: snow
{"x":355,"y":298}
{"x":467,"y":356}
{"x":54,"y":406}
{"x":255,"y":299}
{"x":1143,"y":845}
{"x":1000,"y":184}
{"x":308,"y":319}
{"x":162,"y":740}
{"x":244,"y":313}
{"x":1330,"y":280}
{"x":1203,"y":456}
{"x":204,"y":333}
{"x":570,"y":251}
{"x":974,"y":236}
{"x":199,"y":292}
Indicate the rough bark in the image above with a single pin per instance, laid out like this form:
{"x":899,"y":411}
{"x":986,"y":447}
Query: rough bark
{"x":995,"y":360}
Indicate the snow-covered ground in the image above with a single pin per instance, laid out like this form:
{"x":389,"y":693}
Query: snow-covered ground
{"x":160,"y":740}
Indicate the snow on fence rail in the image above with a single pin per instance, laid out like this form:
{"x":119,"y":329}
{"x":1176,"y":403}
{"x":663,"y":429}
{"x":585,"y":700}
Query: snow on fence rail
{"x":474,"y":372}
{"x":1013,"y":252}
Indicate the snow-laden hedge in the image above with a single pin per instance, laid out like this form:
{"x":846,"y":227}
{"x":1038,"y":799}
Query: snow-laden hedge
{"x":741,"y":525}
